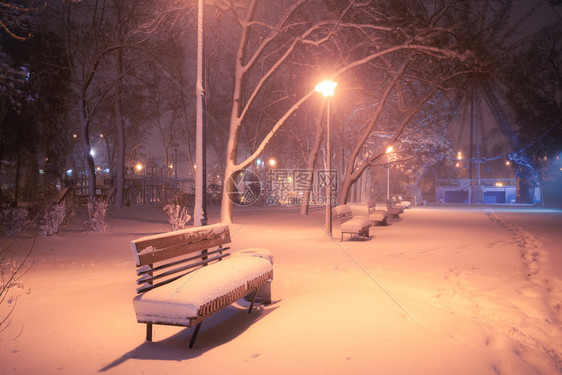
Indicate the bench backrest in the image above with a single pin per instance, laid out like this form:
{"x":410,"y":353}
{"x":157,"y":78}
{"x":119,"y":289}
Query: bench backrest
{"x":344,"y":213}
{"x":371,"y":206}
{"x":165,"y":257}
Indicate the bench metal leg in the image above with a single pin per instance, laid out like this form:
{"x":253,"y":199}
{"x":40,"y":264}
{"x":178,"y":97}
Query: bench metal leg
{"x":148,"y":331}
{"x":254,"y":299}
{"x":194,"y":336}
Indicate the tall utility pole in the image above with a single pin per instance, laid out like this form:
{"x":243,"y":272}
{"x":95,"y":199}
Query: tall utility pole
{"x":200,"y":214}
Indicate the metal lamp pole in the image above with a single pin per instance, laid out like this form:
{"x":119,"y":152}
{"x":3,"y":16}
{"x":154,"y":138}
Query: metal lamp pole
{"x":200,"y":214}
{"x":388,"y":151}
{"x":327,"y":89}
{"x":175,"y":169}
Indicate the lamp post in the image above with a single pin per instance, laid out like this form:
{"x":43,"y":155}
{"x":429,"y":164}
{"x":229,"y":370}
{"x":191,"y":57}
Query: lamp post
{"x":200,"y":214}
{"x":175,"y":146}
{"x":388,"y":151}
{"x":326,"y":88}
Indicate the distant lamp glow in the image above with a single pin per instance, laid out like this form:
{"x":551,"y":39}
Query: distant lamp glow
{"x":92,"y":152}
{"x":389,"y":149}
{"x":458,"y":165}
{"x":507,"y":162}
{"x":499,"y":184}
{"x":459,"y":155}
{"x":272,"y":162}
{"x":326,"y":88}
{"x":101,"y":135}
{"x":74,"y":135}
{"x":138,"y":167}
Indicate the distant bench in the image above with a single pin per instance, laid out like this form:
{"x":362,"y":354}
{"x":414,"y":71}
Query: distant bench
{"x":351,"y":224}
{"x":369,"y":209}
{"x":183,"y":281}
{"x":396,"y":206}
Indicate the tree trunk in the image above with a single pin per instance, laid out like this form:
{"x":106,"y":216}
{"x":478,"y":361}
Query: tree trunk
{"x":120,"y":170}
{"x":90,"y":166}
{"x":120,"y":167}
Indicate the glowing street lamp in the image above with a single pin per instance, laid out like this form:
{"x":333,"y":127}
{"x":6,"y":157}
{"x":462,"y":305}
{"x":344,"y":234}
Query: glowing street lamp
{"x":326,"y":88}
{"x":272,"y":162}
{"x":388,"y":151}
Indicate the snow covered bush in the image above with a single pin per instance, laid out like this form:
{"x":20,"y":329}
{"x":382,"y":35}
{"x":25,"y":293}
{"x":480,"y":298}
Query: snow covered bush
{"x":177,"y":216}
{"x":96,"y":213}
{"x":51,"y":219}
{"x":14,"y":220}
{"x":11,"y":271}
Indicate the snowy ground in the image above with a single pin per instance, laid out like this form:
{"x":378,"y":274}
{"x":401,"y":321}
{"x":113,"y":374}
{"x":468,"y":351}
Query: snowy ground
{"x":443,"y":290}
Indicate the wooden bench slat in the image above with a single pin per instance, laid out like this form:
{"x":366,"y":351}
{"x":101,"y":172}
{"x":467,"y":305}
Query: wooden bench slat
{"x":147,"y":287}
{"x":156,"y":248}
{"x":162,"y":254}
{"x":148,"y":269}
{"x":148,"y":278}
{"x":189,"y":235}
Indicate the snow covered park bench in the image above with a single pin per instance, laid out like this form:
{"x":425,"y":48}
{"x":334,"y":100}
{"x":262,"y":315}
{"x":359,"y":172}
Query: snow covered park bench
{"x":369,"y":209}
{"x":396,"y":208}
{"x":187,"y":275}
{"x":403,"y":203}
{"x":351,"y":224}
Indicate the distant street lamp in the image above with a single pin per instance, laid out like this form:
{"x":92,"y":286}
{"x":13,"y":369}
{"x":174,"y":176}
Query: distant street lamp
{"x":326,"y":88}
{"x":175,"y":146}
{"x":388,"y":151}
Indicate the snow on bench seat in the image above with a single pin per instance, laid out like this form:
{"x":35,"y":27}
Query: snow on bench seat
{"x":181,"y":301}
{"x":369,"y":210}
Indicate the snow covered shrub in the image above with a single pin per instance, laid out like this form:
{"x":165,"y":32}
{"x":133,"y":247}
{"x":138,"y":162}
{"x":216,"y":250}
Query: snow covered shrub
{"x":177,"y":216}
{"x":96,"y":212}
{"x":51,"y":219}
{"x":11,"y":271}
{"x":14,"y":220}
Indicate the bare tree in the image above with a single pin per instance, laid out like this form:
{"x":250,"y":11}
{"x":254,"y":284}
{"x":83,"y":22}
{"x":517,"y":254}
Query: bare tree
{"x":267,"y":46}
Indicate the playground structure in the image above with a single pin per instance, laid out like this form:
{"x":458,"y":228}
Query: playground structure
{"x":138,"y":189}
{"x":487,"y":191}
{"x":523,"y":187}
